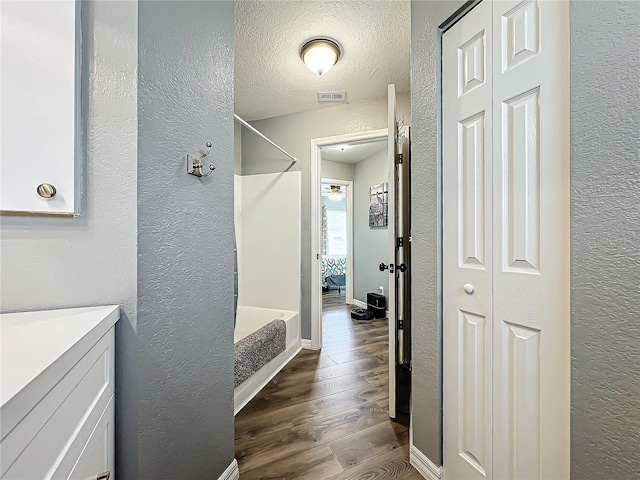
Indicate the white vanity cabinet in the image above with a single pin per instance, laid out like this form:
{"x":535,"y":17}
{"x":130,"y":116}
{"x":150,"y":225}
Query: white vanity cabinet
{"x":57,"y":394}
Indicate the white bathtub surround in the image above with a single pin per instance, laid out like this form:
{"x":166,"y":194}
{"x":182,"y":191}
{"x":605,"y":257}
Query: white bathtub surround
{"x":268,"y":237}
{"x":269,"y":240}
{"x":249,"y":320}
{"x":57,"y":393}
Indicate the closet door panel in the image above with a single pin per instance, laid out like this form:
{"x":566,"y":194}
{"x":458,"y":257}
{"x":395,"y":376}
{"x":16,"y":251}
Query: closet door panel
{"x":467,"y":258}
{"x":531,"y":240}
{"x":521,"y":183}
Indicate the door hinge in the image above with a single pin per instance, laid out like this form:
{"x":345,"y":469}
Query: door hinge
{"x":400,"y":324}
{"x":399,"y":158}
{"x":399,"y":242}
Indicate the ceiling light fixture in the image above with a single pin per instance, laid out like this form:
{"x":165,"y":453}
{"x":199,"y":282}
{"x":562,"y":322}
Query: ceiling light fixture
{"x":336,"y":193}
{"x":320,"y":54}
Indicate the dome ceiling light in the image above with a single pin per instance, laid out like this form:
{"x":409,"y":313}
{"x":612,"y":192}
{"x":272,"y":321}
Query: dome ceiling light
{"x":320,"y":54}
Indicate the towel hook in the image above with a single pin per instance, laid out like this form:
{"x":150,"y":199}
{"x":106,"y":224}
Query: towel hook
{"x":196,"y":164}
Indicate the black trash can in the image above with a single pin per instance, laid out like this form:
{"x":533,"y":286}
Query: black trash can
{"x":377,"y":304}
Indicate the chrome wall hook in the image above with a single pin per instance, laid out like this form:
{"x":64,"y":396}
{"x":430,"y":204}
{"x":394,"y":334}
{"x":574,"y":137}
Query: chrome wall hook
{"x":196,"y":164}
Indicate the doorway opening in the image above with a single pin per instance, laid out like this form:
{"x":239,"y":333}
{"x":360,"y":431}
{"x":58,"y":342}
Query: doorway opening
{"x":351,"y":163}
{"x":337,"y":242}
{"x":354,"y":237}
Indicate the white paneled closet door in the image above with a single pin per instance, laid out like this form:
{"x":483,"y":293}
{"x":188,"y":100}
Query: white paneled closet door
{"x":506,"y":337}
{"x":467,"y":252}
{"x":531,"y":331}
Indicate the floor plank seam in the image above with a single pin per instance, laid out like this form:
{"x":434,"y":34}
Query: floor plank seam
{"x":325,"y":416}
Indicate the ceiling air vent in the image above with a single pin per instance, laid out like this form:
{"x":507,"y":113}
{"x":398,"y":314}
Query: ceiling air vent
{"x":332,"y":97}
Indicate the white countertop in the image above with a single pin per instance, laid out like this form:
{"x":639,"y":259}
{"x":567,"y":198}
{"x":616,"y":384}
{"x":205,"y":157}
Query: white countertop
{"x":31,"y":342}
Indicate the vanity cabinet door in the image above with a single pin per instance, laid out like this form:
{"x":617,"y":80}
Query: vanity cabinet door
{"x":70,"y":433}
{"x":97,"y":457}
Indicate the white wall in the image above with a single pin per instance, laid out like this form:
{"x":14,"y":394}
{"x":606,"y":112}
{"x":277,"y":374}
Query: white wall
{"x":336,"y":170}
{"x":370,"y":245}
{"x":269,"y":254}
{"x":294,"y":134}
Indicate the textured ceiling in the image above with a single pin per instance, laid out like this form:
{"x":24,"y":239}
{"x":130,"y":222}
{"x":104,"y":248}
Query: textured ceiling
{"x":272,"y":80}
{"x":353,"y":153}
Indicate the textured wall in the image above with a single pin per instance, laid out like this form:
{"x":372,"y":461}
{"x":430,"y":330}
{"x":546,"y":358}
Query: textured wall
{"x":336,"y":170}
{"x":55,"y":262}
{"x":294,"y":134}
{"x":426,"y":226}
{"x":371,"y":245}
{"x":90,"y":260}
{"x":185,"y":240}
{"x":272,"y":80}
{"x":605,"y":240}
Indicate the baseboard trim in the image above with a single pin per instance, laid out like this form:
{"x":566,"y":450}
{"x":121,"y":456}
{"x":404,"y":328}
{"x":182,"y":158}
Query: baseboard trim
{"x":423,"y":465}
{"x":359,"y":304}
{"x":306,"y":344}
{"x":232,"y":472}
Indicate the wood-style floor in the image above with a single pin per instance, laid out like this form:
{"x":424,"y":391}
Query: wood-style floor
{"x":324,"y":416}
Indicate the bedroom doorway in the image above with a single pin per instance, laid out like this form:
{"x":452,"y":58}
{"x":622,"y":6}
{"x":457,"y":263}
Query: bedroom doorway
{"x":351,"y":248}
{"x":336,"y":242}
{"x":346,"y":163}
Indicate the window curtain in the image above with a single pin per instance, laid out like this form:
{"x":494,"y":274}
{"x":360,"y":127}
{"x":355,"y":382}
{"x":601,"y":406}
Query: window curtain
{"x":325,"y":246}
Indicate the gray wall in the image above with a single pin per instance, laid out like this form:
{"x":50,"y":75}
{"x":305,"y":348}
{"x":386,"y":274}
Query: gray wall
{"x":91,"y":260}
{"x":336,"y":170}
{"x":370,"y":245}
{"x":55,"y":262}
{"x":185,"y":240}
{"x":294,"y":134}
{"x":605,"y":240}
{"x":425,"y":226}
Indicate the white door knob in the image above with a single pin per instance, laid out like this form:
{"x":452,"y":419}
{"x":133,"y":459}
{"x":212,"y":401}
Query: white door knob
{"x":468,"y":288}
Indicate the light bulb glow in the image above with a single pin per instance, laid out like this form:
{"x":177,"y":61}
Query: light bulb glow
{"x":320,"y":55}
{"x":336,"y":193}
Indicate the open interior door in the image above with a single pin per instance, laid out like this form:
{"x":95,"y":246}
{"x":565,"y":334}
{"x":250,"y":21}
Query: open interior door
{"x":399,"y":251}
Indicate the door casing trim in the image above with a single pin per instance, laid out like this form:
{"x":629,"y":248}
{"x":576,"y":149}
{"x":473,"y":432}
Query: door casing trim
{"x":316,"y":228}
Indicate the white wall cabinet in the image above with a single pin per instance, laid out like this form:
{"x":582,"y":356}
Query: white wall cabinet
{"x":57,"y":379}
{"x":40,"y":144}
